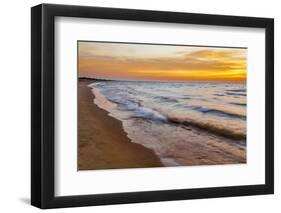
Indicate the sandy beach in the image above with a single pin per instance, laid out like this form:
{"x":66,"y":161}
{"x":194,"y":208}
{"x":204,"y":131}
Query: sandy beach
{"x":103,"y":144}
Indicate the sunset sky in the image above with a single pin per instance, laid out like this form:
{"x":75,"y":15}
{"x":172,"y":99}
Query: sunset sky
{"x":160,"y":62}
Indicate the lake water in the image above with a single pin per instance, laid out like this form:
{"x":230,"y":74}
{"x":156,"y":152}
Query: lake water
{"x":169,"y":117}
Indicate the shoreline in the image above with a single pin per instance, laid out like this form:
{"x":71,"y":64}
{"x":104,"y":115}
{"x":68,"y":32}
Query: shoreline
{"x":103,"y":143}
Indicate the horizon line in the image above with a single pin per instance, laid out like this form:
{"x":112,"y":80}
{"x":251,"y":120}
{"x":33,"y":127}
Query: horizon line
{"x":144,"y":80}
{"x":189,"y":45}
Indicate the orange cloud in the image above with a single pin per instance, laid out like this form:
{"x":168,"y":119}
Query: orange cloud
{"x":114,"y":61}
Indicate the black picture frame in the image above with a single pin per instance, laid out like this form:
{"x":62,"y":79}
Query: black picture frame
{"x":43,"y":111}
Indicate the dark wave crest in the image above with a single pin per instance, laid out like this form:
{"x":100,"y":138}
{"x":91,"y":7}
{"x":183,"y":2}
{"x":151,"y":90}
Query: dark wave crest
{"x":210,"y":128}
{"x":165,"y":99}
{"x":238,"y":104}
{"x":218,"y":112}
{"x":235,"y":93}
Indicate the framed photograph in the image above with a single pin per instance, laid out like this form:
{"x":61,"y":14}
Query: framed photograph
{"x":139,"y":106}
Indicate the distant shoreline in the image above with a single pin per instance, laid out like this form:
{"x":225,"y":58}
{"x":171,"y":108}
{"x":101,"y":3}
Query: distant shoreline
{"x":103,"y":144}
{"x":162,"y":81}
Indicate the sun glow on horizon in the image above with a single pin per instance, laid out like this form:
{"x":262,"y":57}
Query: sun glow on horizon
{"x":160,"y":62}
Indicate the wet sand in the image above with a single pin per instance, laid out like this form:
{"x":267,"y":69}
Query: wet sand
{"x":103,"y":144}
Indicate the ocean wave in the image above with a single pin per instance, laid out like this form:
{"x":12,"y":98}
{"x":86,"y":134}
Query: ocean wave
{"x":153,"y":115}
{"x":219,"y":94}
{"x":226,"y":114}
{"x":219,"y":130}
{"x":236,"y":90}
{"x":238,"y":104}
{"x":165,"y":99}
{"x":235,"y":93}
{"x":217,"y":112}
{"x":133,"y":106}
{"x":150,"y":114}
{"x":186,"y":98}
